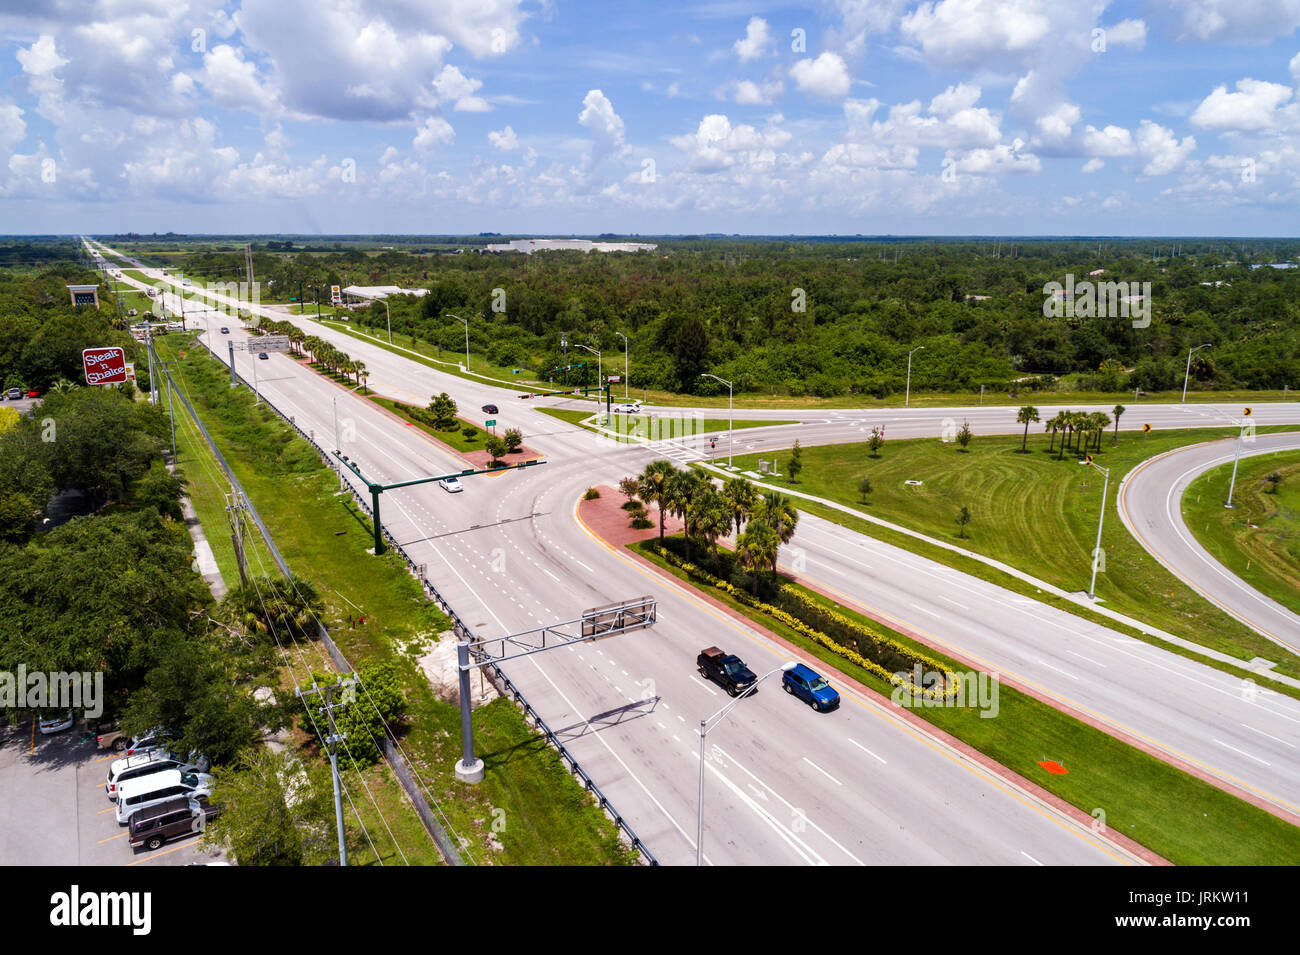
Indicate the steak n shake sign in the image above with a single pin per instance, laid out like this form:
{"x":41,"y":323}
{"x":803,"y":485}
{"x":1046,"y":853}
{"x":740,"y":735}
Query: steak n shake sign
{"x":104,"y":366}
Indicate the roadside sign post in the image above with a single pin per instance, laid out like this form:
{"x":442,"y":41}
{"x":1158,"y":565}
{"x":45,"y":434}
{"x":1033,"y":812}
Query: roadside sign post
{"x":1096,"y":551}
{"x":104,"y":366}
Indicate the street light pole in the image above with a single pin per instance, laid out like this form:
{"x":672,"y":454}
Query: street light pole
{"x":600,"y":375}
{"x":1188,"y":373}
{"x":1235,"y":460}
{"x":625,"y":381}
{"x":715,"y":719}
{"x":389,"y":314}
{"x":465,"y":322}
{"x":731,"y":422}
{"x":1096,"y":551}
{"x":907,"y":398}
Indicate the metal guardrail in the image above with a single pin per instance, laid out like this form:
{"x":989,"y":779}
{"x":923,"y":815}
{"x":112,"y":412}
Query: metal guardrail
{"x":502,"y":683}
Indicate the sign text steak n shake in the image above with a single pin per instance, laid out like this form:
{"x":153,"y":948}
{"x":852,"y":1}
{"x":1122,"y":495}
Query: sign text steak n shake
{"x":104,"y":366}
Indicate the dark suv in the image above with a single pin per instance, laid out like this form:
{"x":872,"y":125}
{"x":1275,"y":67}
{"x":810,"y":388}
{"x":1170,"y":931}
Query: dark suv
{"x":182,"y":816}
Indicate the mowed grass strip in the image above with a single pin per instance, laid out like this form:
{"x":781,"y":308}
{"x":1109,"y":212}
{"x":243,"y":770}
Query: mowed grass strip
{"x":1258,"y":538}
{"x":1184,"y":819}
{"x":1033,"y":511}
{"x":548,"y":818}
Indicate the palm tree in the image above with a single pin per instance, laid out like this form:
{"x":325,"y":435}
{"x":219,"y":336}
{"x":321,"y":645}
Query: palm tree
{"x":1117,"y":411}
{"x":776,"y":511}
{"x":710,"y":516}
{"x":757,"y":549}
{"x":652,"y":481}
{"x":1026,"y":415}
{"x":741,"y":497}
{"x":679,"y":494}
{"x":1053,"y":425}
{"x":358,"y":369}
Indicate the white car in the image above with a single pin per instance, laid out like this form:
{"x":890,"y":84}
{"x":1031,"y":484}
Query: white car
{"x":631,"y":407}
{"x":452,"y":484}
{"x":56,"y":724}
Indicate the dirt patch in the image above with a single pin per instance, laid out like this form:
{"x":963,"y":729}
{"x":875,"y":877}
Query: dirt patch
{"x":443,"y":672}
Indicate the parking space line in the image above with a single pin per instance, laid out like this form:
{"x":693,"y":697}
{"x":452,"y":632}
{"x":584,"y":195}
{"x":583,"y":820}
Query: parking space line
{"x":111,"y":838}
{"x":155,"y":855}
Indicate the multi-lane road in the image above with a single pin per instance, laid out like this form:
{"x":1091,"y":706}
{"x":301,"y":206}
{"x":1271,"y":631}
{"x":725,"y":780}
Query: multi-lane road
{"x":785,"y":785}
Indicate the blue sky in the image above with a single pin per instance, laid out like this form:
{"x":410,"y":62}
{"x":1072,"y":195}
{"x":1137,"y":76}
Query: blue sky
{"x":890,"y":116}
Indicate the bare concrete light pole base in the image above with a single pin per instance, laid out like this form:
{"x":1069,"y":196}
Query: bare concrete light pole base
{"x":472,"y":773}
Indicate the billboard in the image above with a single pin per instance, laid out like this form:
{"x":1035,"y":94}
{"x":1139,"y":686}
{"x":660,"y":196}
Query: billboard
{"x":336,"y":298}
{"x":104,"y":366}
{"x":270,"y":343}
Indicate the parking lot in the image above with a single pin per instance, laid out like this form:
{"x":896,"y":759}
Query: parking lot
{"x":54,"y":811}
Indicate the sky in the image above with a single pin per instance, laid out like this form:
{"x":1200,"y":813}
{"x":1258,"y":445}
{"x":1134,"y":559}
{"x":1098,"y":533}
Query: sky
{"x":944,"y":117}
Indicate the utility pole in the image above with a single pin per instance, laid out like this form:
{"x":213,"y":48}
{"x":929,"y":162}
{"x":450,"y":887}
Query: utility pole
{"x":234,"y":517}
{"x":332,"y":741}
{"x":625,"y":381}
{"x":148,"y":347}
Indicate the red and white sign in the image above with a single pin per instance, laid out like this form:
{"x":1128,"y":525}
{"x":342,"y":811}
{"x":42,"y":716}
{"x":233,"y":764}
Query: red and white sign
{"x":104,"y":366}
{"x":336,"y":298}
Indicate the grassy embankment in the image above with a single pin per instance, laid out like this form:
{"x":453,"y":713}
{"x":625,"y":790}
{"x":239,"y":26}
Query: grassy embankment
{"x":1184,"y":819}
{"x":1258,"y":539}
{"x":1030,"y":511}
{"x":548,"y":817}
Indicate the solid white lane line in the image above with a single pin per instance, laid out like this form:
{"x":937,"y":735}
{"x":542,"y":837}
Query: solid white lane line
{"x":822,"y":771}
{"x":1089,"y":659}
{"x":864,"y":749}
{"x":1029,"y":857}
{"x":1242,"y":752}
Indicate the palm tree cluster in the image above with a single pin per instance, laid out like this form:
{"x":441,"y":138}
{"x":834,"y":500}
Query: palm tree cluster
{"x":761,"y":523}
{"x":321,"y":352}
{"x":1080,"y":430}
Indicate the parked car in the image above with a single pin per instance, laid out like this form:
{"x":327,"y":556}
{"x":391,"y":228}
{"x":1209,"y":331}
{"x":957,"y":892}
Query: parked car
{"x":56,"y":723}
{"x":725,"y":669}
{"x":122,"y":771}
{"x":33,"y":393}
{"x":153,"y":739}
{"x":180,"y":816}
{"x":491,"y":409}
{"x":811,"y":687}
{"x":157,"y":788}
{"x":451,"y":484}
{"x":108,"y":736}
{"x":13,"y":394}
{"x":225,"y":330}
{"x":262,"y":356}
{"x":630,"y":407}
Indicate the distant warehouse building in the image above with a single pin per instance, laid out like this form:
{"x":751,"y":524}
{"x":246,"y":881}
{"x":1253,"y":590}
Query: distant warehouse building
{"x":530,"y":246}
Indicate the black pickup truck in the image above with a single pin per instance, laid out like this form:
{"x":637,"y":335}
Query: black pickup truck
{"x":726,"y":669}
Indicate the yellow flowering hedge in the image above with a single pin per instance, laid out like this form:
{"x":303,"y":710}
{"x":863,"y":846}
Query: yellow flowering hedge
{"x":867,"y":635}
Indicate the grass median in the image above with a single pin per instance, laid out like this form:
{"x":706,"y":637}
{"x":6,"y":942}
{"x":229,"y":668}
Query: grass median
{"x":1258,"y":539}
{"x":548,"y":818}
{"x":1034,"y":511}
{"x":1184,"y":819}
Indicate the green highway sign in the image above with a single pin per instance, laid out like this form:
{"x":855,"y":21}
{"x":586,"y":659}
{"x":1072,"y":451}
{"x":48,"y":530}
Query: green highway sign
{"x":490,"y":422}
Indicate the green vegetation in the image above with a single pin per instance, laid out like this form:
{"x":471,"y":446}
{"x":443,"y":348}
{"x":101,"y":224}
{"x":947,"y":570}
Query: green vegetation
{"x":454,"y":436}
{"x":644,"y":424}
{"x":1258,"y":539}
{"x":1182,"y":818}
{"x":816,"y":319}
{"x":548,"y":817}
{"x":1036,"y":512}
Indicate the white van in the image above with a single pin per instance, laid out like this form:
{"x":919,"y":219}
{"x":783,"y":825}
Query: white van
{"x":158,"y":788}
{"x":122,"y":771}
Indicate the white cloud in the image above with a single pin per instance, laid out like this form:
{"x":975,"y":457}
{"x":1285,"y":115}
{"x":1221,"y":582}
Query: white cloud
{"x":1092,"y":165}
{"x":756,"y":41}
{"x":972,"y":34}
{"x":1252,"y":107}
{"x":40,"y":58}
{"x":954,"y":99}
{"x":717,"y":145}
{"x":454,"y":86}
{"x":750,"y":93}
{"x":598,"y":115}
{"x":825,"y":77}
{"x":13,"y":130}
{"x":1109,"y":142}
{"x":997,"y":160}
{"x":434,"y":132}
{"x":232,"y":81}
{"x":1127,"y":33}
{"x":1228,"y":21}
{"x":504,"y":139}
{"x":907,"y":124}
{"x":1163,"y":151}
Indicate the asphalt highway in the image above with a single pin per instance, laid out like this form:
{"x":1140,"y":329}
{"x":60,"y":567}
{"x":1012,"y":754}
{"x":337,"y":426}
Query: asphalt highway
{"x":785,"y":785}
